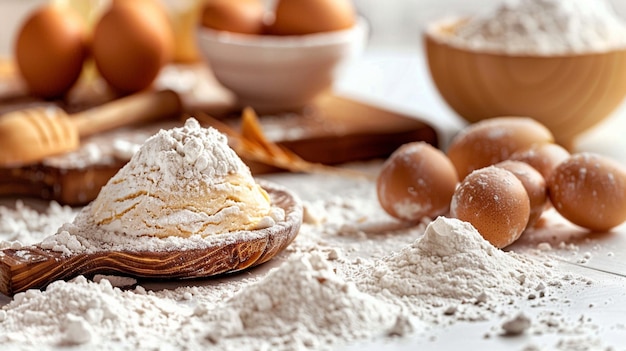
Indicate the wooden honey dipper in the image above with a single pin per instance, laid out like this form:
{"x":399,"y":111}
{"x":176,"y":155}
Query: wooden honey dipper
{"x":29,"y":135}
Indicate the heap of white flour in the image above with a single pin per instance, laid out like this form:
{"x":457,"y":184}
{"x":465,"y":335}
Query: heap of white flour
{"x":452,"y":264}
{"x":183,"y":181}
{"x":544,"y":27}
{"x":452,"y":260}
{"x":184,"y":188}
{"x":302,"y":304}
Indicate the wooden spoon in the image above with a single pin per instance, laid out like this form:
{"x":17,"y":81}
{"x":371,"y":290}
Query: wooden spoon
{"x":32,"y":267}
{"x":27,"y":136}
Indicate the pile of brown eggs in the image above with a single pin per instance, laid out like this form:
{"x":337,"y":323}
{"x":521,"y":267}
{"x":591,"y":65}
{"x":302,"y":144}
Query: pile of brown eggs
{"x":500,"y":175}
{"x":129,"y":43}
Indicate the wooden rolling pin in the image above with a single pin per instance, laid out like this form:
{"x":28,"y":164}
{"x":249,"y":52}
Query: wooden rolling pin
{"x":27,"y":136}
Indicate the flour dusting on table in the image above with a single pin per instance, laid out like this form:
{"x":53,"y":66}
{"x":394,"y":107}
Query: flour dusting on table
{"x":21,"y":224}
{"x":353,"y":274}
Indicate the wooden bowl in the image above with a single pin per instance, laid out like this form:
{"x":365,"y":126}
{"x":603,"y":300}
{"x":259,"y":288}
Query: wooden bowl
{"x":567,"y":93}
{"x":33,"y":267}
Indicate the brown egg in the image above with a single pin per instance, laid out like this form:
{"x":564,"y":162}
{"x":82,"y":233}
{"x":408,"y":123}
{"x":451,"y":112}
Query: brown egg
{"x":131,"y":43}
{"x":495,"y":202}
{"x":416,"y":181}
{"x":543,"y":157}
{"x":297,"y":17}
{"x":590,"y":191}
{"x":534,"y":183}
{"x":50,"y":49}
{"x":493,"y":140}
{"x":239,"y":16}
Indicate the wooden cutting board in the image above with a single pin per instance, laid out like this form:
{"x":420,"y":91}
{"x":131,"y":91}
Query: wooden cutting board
{"x":332,"y":130}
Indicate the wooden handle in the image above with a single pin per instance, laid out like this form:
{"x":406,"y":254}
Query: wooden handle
{"x":35,"y":268}
{"x":28,"y":268}
{"x":132,"y":109}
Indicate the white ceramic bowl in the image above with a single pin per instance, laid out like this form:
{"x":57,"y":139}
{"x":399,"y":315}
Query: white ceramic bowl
{"x":276,"y":73}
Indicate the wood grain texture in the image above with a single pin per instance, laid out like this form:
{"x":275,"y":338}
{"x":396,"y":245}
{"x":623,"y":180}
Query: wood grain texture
{"x":34,"y":268}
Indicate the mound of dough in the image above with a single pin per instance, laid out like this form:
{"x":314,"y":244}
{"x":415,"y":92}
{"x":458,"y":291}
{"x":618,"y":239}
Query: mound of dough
{"x":182,"y":182}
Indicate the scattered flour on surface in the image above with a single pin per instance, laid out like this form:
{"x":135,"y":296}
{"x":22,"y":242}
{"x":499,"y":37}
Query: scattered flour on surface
{"x":319,"y":294}
{"x":22,"y":225}
{"x":302,"y":304}
{"x":80,"y":312}
{"x":517,"y":325}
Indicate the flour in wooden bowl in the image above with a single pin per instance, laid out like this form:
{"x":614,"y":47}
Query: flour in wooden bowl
{"x":544,"y":27}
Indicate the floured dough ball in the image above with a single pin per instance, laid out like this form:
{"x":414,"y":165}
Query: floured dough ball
{"x":181,"y":182}
{"x":535,"y":186}
{"x":495,"y":202}
{"x":490,"y":141}
{"x":590,"y":191}
{"x":416,"y":181}
{"x":543,"y":157}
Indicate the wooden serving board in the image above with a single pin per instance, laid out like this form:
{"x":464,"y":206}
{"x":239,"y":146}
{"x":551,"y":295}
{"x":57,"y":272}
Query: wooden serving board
{"x":332,"y":130}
